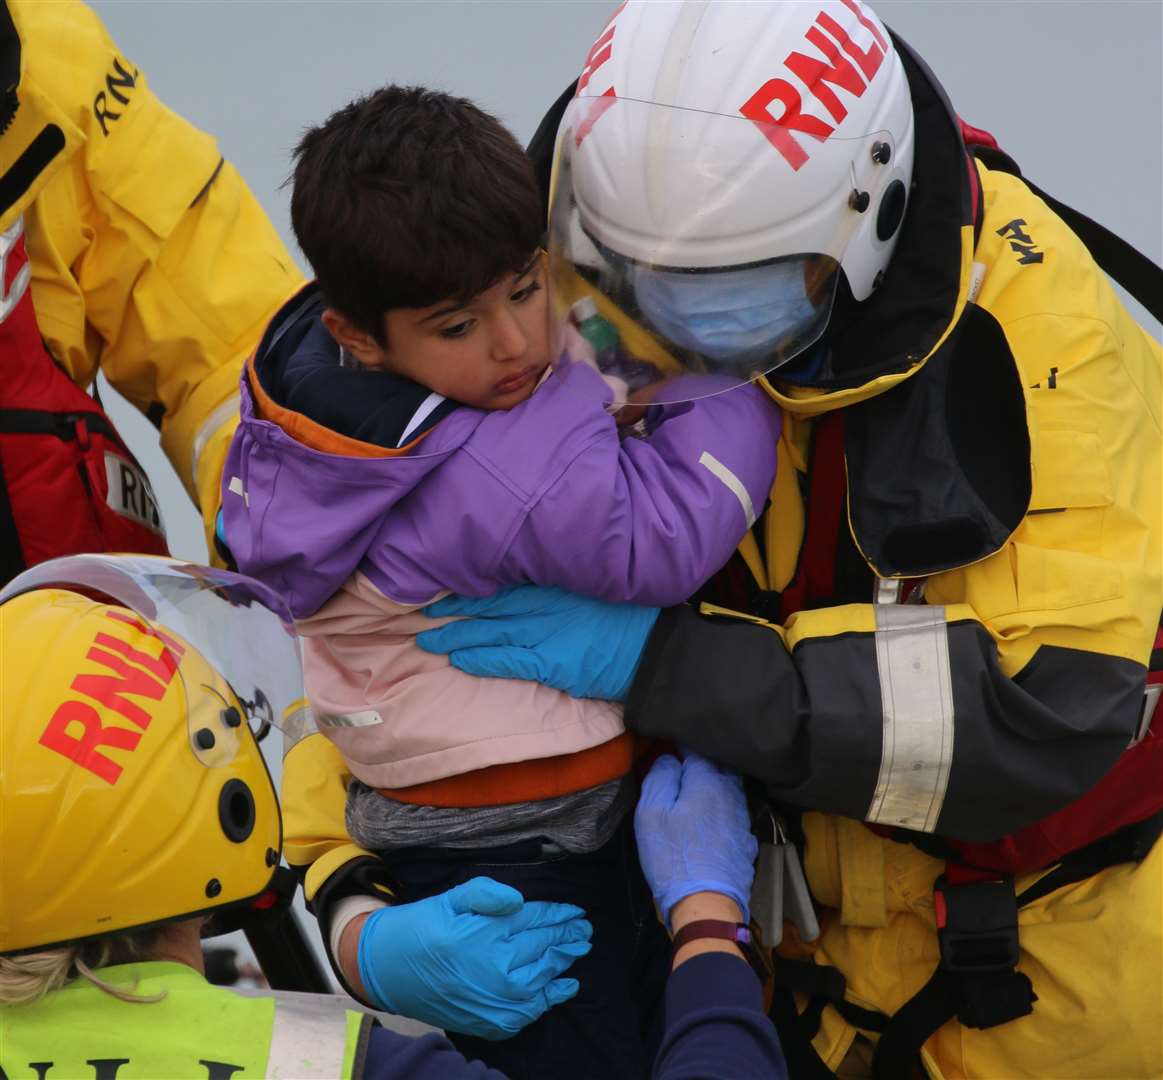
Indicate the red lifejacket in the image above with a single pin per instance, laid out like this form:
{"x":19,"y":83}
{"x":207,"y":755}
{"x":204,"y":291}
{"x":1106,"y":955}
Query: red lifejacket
{"x":68,"y":484}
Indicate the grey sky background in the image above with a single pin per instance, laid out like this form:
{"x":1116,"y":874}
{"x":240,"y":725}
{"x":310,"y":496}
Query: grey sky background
{"x":1073,"y":90}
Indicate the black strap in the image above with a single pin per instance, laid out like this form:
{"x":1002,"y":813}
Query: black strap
{"x":60,"y":424}
{"x":1132,"y":843}
{"x":1125,"y":263}
{"x":276,"y":936}
{"x":540,"y":148}
{"x":11,"y":551}
{"x":992,"y":997}
{"x":975,"y":1000}
{"x":795,"y":1038}
{"x":979,"y":998}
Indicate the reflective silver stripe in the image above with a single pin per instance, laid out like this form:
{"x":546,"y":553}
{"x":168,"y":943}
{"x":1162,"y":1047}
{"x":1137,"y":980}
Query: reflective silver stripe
{"x":236,"y":488}
{"x":1150,"y":704}
{"x":308,"y":1038}
{"x":887,"y":591}
{"x":713,"y":465}
{"x":916,"y":692}
{"x":363,"y":718}
{"x":297,"y":723}
{"x":221,"y":415}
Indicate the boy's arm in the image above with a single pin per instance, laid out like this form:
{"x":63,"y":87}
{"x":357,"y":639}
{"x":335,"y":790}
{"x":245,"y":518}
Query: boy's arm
{"x":647,"y":521}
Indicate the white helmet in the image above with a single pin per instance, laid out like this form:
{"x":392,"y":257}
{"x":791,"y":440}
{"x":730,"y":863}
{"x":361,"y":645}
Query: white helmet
{"x":721,"y":163}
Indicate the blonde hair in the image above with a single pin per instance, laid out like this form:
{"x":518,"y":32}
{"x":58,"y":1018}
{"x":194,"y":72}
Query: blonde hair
{"x":28,"y":977}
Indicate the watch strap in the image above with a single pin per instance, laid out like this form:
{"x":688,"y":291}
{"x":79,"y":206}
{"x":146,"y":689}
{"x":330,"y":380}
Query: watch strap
{"x":721,"y":929}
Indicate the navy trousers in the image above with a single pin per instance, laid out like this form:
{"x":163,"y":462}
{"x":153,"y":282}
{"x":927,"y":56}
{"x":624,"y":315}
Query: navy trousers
{"x":612,"y":1028}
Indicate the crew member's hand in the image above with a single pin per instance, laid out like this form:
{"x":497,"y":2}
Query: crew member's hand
{"x":587,"y":648}
{"x":477,"y":959}
{"x":694,"y":832}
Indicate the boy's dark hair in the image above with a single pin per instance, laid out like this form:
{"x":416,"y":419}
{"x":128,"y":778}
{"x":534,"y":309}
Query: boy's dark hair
{"x":408,"y":197}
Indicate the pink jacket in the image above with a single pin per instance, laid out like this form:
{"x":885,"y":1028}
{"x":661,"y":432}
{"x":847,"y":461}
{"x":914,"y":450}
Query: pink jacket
{"x":401,"y":716}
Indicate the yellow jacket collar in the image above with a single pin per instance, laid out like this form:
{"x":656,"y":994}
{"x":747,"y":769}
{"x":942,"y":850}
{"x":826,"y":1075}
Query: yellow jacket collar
{"x":36,"y":134}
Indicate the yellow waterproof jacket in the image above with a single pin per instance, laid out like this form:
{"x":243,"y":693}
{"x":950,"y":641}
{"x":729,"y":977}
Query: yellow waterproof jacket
{"x":1001,"y":443}
{"x":313,"y":797}
{"x":151,"y":259}
{"x":1093,"y":951}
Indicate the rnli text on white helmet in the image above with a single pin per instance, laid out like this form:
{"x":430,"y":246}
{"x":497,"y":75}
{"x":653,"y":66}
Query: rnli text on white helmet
{"x":707,"y":138}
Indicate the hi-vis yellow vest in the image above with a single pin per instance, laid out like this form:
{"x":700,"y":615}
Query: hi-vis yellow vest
{"x":196,"y":1032}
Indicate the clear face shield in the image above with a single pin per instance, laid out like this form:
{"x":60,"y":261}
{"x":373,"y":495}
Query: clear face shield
{"x":686,"y":256}
{"x":253,"y":673}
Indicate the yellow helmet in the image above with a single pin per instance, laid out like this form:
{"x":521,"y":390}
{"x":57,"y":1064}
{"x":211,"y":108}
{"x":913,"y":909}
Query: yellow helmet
{"x":132,"y":788}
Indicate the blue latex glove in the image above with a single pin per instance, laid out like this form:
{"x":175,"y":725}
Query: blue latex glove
{"x":476,"y":959}
{"x":587,"y":648}
{"x":694,"y":832}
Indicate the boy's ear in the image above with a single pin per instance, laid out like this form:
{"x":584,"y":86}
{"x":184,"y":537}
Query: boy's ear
{"x":349,"y":337}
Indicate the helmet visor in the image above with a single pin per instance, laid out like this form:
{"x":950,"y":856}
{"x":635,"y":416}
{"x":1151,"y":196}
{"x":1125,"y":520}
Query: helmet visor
{"x":242,"y":629}
{"x":683,"y":260}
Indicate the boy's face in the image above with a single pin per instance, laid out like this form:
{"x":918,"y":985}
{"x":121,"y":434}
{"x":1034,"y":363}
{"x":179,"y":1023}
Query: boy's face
{"x":489,"y":353}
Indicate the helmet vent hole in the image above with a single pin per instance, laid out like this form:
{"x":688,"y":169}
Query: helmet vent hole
{"x":891,"y":212}
{"x":236,"y":813}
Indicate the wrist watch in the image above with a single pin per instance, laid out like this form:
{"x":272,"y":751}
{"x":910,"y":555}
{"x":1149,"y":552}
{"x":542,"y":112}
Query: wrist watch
{"x":739,"y":933}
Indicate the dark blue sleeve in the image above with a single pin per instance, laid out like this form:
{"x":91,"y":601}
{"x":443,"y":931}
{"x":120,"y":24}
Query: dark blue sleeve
{"x":715,"y":1024}
{"x":392,"y":1056}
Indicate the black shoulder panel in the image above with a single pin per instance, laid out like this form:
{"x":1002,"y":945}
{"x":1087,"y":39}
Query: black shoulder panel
{"x":9,"y":67}
{"x":917,"y":300}
{"x":958,"y":427}
{"x":540,"y":148}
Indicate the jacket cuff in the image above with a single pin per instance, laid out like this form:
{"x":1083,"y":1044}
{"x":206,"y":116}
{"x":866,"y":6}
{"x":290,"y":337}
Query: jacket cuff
{"x":359,"y":877}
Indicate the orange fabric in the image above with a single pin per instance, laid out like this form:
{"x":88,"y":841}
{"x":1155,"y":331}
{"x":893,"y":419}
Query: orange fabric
{"x":525,"y":781}
{"x":315,"y":436}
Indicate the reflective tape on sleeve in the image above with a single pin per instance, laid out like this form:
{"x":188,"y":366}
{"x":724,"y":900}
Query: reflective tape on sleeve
{"x":296,"y":725}
{"x":223,"y":414}
{"x":912,"y":659}
{"x":713,"y":465}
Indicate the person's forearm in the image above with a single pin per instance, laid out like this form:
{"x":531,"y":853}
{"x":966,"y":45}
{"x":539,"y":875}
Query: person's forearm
{"x":715,"y":1023}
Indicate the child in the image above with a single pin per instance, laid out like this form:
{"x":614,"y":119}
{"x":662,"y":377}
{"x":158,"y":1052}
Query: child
{"x":402,"y":437}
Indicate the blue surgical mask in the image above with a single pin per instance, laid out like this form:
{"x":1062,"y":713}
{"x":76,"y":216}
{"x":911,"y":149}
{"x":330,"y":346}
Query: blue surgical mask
{"x":735,"y":317}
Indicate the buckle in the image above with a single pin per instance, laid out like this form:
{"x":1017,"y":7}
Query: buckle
{"x":977,"y":925}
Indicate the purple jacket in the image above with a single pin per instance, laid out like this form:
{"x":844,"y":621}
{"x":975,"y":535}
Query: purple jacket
{"x":546,"y":493}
